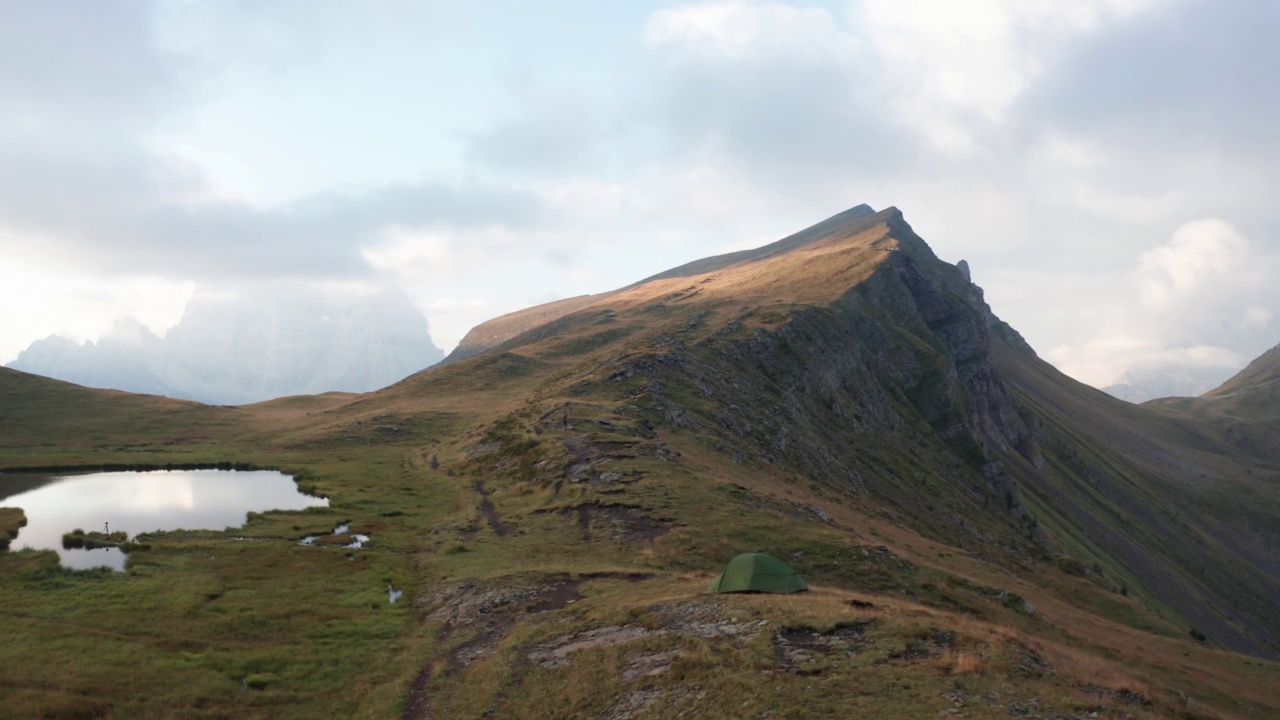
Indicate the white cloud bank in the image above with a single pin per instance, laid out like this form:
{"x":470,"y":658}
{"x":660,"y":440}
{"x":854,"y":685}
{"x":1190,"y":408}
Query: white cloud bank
{"x":1194,"y":297}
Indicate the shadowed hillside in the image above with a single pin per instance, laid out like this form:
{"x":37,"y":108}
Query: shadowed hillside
{"x":1244,"y":413}
{"x":1263,"y":371}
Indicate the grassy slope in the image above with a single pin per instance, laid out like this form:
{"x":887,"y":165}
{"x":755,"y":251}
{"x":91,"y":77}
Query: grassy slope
{"x":49,"y":419}
{"x":1244,"y":412}
{"x":12,"y":521}
{"x":1264,"y":370}
{"x":489,"y":483}
{"x":499,"y":330}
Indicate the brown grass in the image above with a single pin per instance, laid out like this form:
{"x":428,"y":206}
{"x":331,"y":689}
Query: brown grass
{"x":965,"y":663}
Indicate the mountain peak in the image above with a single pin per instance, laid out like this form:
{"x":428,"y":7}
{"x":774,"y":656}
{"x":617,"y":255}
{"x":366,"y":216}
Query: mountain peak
{"x":1265,"y":369}
{"x":846,"y":223}
{"x":129,"y":331}
{"x":859,"y":210}
{"x":819,"y":231}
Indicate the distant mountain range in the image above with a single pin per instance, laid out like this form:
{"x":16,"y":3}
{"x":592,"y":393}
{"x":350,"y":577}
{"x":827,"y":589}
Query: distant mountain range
{"x":1142,"y":384}
{"x":230,"y":351}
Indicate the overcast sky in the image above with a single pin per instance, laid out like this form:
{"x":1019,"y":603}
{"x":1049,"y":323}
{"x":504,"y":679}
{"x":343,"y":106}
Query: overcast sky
{"x":1107,"y":167}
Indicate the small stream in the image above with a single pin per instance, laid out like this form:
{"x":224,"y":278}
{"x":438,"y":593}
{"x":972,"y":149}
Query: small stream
{"x":358,"y":540}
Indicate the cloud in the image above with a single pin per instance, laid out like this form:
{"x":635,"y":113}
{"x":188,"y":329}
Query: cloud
{"x":1200,"y":253}
{"x":432,"y":254}
{"x":1210,"y":284}
{"x":449,"y":303}
{"x":86,"y":92}
{"x":411,"y":255}
{"x":1115,"y":359}
{"x":959,"y":68}
{"x":62,"y":62}
{"x":771,"y":89}
{"x":1198,"y":309}
{"x":550,"y":133}
{"x":320,"y":236}
{"x":1256,"y":318}
{"x":1184,"y":73}
{"x":744,"y":30}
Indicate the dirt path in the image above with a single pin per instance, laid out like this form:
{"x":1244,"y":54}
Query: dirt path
{"x":491,"y":513}
{"x":488,"y":612}
{"x":491,"y":612}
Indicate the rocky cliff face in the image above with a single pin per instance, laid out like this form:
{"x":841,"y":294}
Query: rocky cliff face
{"x":890,"y":393}
{"x":234,"y":351}
{"x":122,"y":359}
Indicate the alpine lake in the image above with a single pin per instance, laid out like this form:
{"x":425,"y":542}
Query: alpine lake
{"x":92,"y":519}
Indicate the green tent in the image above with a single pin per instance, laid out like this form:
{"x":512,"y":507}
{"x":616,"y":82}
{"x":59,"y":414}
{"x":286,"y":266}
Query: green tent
{"x":757,"y":572}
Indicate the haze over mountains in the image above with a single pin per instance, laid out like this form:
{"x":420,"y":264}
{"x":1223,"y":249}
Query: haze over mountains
{"x":250,"y":347}
{"x":1143,"y":383}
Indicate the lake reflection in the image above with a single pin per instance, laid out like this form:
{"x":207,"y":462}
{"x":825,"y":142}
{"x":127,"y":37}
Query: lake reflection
{"x":139,"y":502}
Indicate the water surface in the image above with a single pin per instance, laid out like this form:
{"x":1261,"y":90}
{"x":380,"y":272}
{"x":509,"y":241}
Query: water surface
{"x":140,"y":502}
{"x":357,"y":539}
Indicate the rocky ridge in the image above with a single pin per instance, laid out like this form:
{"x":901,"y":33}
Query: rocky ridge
{"x":860,"y":361}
